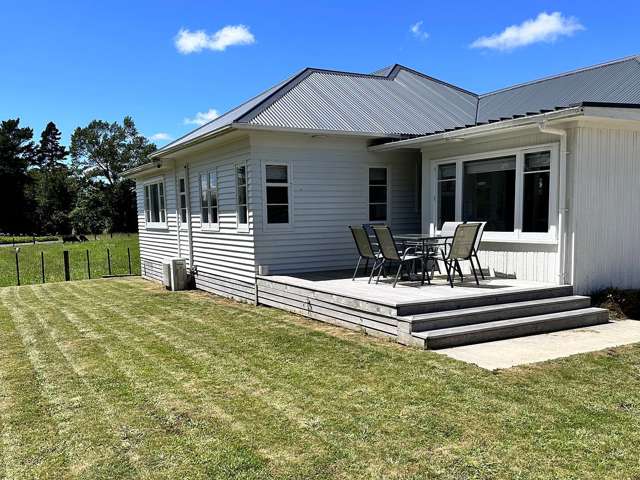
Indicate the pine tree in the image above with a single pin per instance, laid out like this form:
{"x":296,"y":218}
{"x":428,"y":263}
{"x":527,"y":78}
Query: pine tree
{"x":50,"y":154}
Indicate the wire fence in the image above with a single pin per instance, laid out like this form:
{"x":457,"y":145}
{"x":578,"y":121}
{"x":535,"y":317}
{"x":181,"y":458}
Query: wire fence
{"x":58,"y":262}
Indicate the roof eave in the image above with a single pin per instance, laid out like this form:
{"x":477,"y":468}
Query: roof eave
{"x":215,"y":133}
{"x":312,"y":131}
{"x":479,"y":130}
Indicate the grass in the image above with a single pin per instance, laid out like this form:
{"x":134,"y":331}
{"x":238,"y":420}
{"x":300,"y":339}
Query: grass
{"x":10,"y":240}
{"x":117,"y":378}
{"x":30,"y":259}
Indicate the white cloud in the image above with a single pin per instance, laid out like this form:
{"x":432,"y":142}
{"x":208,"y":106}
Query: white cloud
{"x":544,"y":28}
{"x":160,"y":136}
{"x":417,"y":31}
{"x":191,"y":42}
{"x":202,"y":117}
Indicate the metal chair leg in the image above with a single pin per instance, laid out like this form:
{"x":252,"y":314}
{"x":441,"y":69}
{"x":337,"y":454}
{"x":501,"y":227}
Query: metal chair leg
{"x":366,"y":265}
{"x":473,"y":269}
{"x":380,"y":270}
{"x":475,"y":254}
{"x":397,"y":274}
{"x":355,"y":272}
{"x":448,"y":269}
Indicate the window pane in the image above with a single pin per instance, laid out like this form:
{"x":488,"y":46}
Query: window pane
{"x":537,"y":161}
{"x":378,"y":212}
{"x":204,"y":184}
{"x":535,"y":217}
{"x":377,"y":176}
{"x":241,"y":175}
{"x":205,"y":215}
{"x":155,"y":202}
{"x":182,"y":185}
{"x":183,"y":215}
{"x":447,"y":172}
{"x":446,"y":202}
{"x":277,"y":213}
{"x":242,"y":195}
{"x":242,"y":214}
{"x":214,"y":215}
{"x":489,"y":193}
{"x":378,"y":194}
{"x":277,"y":195}
{"x":276,"y":173}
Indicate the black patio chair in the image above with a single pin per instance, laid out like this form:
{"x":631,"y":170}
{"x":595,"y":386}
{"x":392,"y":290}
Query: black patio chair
{"x":390,"y":254}
{"x":462,"y":248}
{"x":365,"y":249}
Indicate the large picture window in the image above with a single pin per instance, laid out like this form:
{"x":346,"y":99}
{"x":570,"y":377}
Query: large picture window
{"x":209,"y":198}
{"x":489,"y":193}
{"x":154,"y":204}
{"x":514,"y":191}
{"x":378,"y":194}
{"x":277,"y":192}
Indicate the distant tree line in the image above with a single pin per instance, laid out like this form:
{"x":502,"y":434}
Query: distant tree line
{"x":47,"y":188}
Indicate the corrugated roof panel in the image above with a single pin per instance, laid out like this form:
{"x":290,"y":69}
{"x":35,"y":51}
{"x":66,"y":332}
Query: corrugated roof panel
{"x":399,"y":101}
{"x":406,"y":104}
{"x":616,"y":82}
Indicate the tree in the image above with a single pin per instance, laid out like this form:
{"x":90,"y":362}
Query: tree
{"x":54,"y":187}
{"x":50,"y":154}
{"x":102,"y":151}
{"x":16,"y":156}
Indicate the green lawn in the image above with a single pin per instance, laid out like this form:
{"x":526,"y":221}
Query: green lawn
{"x":117,"y":378}
{"x":30,"y":259}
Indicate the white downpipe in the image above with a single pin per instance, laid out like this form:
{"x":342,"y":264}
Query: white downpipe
{"x":562,"y":199}
{"x":187,"y":189}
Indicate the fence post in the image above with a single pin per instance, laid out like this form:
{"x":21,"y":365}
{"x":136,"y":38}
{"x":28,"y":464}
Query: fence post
{"x":129,"y":258}
{"x":42,"y":264}
{"x":109,"y":261}
{"x":67,"y":273}
{"x":17,"y":266}
{"x":88,"y":266}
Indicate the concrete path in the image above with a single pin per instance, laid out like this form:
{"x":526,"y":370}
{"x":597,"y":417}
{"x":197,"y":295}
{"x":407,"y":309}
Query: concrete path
{"x":548,"y":346}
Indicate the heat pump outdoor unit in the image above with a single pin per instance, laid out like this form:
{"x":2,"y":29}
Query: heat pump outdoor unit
{"x":174,"y":273}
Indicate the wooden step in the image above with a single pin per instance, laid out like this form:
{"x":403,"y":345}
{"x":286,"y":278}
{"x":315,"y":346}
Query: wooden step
{"x":489,"y":313}
{"x":510,"y":328}
{"x":510,"y":296}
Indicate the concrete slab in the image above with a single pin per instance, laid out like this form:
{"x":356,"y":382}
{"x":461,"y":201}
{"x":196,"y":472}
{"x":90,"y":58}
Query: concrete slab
{"x":548,"y":346}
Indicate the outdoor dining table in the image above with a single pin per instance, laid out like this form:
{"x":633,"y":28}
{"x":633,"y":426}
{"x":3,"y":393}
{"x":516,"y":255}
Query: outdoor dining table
{"x":422,"y":239}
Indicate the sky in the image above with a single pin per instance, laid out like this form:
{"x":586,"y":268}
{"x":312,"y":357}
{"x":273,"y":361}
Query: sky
{"x":172,"y":65}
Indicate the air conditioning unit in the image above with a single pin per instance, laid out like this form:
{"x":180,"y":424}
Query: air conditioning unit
{"x":174,"y":273}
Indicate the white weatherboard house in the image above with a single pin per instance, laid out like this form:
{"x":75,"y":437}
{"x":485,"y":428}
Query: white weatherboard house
{"x":266,"y":191}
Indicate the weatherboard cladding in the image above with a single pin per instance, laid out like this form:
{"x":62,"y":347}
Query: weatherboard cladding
{"x":397,"y":101}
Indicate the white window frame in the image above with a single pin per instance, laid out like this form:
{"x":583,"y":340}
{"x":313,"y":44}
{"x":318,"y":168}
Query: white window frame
{"x":265,"y":223}
{"x":387,"y":221}
{"x":179,"y":207}
{"x":209,"y":225}
{"x":162,"y":203}
{"x":517,"y":236}
{"x":242,"y":227}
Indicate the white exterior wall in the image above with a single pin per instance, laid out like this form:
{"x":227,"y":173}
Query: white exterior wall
{"x":329,"y":191}
{"x":535,"y":261}
{"x":224,"y":257}
{"x":157,"y":243}
{"x":605,"y":208}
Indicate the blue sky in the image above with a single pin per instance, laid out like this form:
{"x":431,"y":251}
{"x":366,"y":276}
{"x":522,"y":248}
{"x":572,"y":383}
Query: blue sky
{"x":72,"y":61}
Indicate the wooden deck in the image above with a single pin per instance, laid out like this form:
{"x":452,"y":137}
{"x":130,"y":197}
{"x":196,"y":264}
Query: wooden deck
{"x":406,"y":312}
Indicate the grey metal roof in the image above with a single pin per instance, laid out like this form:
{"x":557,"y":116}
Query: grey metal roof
{"x":612,"y":82}
{"x":398,"y":101}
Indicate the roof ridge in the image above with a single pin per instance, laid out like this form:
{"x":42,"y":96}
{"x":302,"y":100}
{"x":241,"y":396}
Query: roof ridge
{"x":563,"y":74}
{"x":397,"y":67}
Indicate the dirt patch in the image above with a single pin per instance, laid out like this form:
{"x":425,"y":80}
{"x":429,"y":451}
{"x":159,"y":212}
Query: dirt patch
{"x":622,"y":304}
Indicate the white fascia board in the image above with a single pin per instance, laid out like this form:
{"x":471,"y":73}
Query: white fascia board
{"x":481,"y":130}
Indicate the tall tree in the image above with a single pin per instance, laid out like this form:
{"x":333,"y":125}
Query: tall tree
{"x":16,"y":156}
{"x":49,"y":153}
{"x":102,"y":151}
{"x":54,"y":187}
